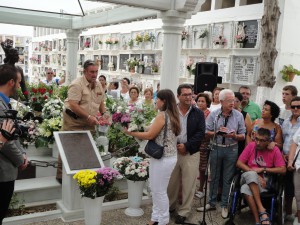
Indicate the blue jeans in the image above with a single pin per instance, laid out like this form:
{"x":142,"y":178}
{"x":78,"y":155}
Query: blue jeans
{"x":222,"y":158}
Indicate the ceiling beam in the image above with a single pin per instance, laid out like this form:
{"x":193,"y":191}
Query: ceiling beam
{"x":31,"y":18}
{"x":117,"y":15}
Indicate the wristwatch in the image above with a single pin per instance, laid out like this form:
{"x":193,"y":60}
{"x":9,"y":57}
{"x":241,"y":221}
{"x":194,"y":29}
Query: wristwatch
{"x":265,"y":170}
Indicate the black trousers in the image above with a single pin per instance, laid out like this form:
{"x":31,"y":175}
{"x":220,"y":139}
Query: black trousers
{"x":6,"y":192}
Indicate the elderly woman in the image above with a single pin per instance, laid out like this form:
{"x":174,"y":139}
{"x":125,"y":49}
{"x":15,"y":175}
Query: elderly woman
{"x":203,"y":103}
{"x":148,"y":94}
{"x":134,"y":96}
{"x":270,"y":112}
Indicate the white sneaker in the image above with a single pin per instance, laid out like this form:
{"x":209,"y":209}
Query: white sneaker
{"x":224,"y":212}
{"x":199,"y":194}
{"x":208,"y":207}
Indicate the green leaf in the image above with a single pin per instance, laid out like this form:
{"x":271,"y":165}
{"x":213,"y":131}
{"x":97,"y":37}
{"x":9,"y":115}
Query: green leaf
{"x":41,"y":142}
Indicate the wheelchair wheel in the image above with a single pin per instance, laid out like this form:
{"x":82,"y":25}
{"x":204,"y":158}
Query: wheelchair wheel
{"x":279,"y":209}
{"x":233,"y":198}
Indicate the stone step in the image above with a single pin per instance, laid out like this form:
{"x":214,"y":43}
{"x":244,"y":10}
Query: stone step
{"x":38,"y":189}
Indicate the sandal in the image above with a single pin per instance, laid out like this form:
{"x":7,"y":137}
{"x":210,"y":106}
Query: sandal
{"x":267,"y":219}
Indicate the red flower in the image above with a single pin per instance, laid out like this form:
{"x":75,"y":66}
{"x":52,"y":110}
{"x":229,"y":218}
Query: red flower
{"x":50,"y":91}
{"x":34,"y":90}
{"x":25,"y":92}
{"x":42,"y":90}
{"x":34,"y":99}
{"x":45,"y":97}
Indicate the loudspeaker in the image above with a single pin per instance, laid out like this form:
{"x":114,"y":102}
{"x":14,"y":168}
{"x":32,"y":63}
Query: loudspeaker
{"x":206,"y":78}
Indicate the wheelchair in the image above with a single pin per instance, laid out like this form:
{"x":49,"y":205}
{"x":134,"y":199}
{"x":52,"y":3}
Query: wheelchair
{"x":273,"y":200}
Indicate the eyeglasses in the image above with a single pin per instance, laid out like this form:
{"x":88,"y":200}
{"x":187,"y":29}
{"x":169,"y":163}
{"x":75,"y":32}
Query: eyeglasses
{"x":295,"y":106}
{"x":187,"y":95}
{"x":49,"y":73}
{"x":229,"y":100}
{"x":260,"y":140}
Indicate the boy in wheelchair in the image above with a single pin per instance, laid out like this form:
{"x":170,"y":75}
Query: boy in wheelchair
{"x":257,"y":161}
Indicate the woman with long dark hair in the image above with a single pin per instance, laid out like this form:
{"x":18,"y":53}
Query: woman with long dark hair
{"x":160,"y":169}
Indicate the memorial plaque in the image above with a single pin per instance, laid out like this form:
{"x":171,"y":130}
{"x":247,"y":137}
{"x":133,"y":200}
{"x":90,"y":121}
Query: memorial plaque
{"x":251,"y":31}
{"x":123,"y":61}
{"x":78,"y":151}
{"x":244,"y":69}
{"x":105,"y":61}
{"x":223,"y":67}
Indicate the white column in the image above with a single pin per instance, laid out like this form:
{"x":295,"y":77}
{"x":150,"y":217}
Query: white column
{"x":172,"y":28}
{"x":72,"y":49}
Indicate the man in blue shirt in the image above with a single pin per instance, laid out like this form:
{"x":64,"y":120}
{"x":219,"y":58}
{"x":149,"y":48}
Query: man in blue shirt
{"x":50,"y":80}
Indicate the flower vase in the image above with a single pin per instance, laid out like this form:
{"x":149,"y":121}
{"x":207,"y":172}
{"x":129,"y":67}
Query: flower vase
{"x":92,"y":210}
{"x":127,"y":68}
{"x":142,"y":45}
{"x":183,"y":43}
{"x":135,"y":194}
{"x":108,"y":46}
{"x":201,"y":42}
{"x":136,"y":69}
{"x":241,"y":45}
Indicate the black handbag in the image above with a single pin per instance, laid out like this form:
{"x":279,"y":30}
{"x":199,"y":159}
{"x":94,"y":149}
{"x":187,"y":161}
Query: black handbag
{"x":155,"y":150}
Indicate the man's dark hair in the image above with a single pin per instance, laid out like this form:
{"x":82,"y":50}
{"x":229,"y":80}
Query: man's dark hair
{"x":238,"y":95}
{"x":88,"y":63}
{"x":291,"y":88}
{"x":264,"y":132}
{"x":7,"y":73}
{"x":297,"y":98}
{"x":244,"y":87}
{"x":181,"y":86}
{"x":275,"y":110}
{"x":128,"y":81}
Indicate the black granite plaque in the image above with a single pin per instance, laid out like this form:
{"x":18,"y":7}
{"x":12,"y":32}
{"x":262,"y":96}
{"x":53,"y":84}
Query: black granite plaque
{"x":79,"y":151}
{"x":105,"y":61}
{"x":123,"y":61}
{"x":251,"y":31}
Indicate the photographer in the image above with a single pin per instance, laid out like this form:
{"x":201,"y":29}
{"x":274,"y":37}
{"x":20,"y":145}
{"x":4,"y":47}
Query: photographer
{"x":12,"y":155}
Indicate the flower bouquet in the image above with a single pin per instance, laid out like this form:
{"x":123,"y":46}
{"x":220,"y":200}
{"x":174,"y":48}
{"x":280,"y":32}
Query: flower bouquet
{"x":203,"y":34}
{"x":191,"y":66}
{"x":139,"y":38}
{"x":93,"y":184}
{"x":184,"y":35}
{"x":108,"y":41}
{"x":220,"y":40}
{"x":46,"y":129}
{"x":31,"y":134}
{"x":39,"y":95}
{"x":149,"y":37}
{"x":53,"y":108}
{"x":133,"y":168}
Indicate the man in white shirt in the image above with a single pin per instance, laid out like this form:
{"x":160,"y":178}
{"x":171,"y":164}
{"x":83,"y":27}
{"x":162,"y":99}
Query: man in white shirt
{"x":50,"y":80}
{"x":288,"y":93}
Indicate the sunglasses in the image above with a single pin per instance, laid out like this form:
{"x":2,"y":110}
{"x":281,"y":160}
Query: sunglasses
{"x":295,"y":106}
{"x":49,"y":73}
{"x":260,"y":140}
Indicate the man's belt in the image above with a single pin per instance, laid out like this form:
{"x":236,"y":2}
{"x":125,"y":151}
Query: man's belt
{"x":224,"y":146}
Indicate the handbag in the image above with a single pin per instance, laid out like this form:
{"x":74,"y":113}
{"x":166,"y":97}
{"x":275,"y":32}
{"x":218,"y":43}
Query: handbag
{"x":155,"y":150}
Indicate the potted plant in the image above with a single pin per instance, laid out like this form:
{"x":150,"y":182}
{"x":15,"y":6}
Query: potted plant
{"x":288,"y":72}
{"x":204,"y":33}
{"x":94,"y":185}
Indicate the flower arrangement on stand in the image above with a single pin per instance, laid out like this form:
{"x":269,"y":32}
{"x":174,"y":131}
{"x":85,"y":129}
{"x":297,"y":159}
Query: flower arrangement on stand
{"x":53,"y":108}
{"x":39,"y":95}
{"x":46,"y":129}
{"x":136,"y":171}
{"x":93,"y":186}
{"x":191,"y":67}
{"x":220,"y":42}
{"x":132,"y":63}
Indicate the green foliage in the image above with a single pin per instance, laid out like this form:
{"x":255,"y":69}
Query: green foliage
{"x":16,"y":203}
{"x":130,"y":42}
{"x":63,"y":92}
{"x":112,"y":194}
{"x":287,"y":70}
{"x":203,"y":34}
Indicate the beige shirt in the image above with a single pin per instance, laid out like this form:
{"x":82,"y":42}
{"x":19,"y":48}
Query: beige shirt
{"x":88,"y":99}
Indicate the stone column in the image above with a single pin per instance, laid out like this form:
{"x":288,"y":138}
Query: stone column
{"x":173,"y":22}
{"x":72,"y":50}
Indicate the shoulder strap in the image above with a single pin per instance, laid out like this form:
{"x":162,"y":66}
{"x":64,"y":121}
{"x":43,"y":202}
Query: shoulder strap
{"x":166,"y":128}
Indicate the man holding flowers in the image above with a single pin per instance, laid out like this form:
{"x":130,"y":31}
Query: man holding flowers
{"x":85,"y":99}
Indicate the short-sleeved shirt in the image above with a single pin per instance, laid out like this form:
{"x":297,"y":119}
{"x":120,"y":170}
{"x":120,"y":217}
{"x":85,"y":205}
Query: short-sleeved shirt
{"x":284,"y":114}
{"x":88,"y":99}
{"x":266,"y":158}
{"x":288,"y":131}
{"x":253,"y":110}
{"x":296,"y":139}
{"x":235,"y":123}
{"x":53,"y":81}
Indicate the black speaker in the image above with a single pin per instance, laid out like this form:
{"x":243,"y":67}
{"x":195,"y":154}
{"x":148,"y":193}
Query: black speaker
{"x":206,"y":78}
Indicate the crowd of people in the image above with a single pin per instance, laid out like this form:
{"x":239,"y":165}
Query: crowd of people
{"x":223,"y":126}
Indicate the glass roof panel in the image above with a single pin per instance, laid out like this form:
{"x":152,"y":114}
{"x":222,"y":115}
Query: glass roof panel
{"x":55,"y":6}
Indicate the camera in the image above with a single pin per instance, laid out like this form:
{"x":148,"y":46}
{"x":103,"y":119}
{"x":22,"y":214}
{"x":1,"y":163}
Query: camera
{"x":20,"y":129}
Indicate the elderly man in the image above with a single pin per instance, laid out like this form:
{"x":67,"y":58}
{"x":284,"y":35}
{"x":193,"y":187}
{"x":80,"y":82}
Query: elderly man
{"x":249,"y":106}
{"x":192,"y":123}
{"x":50,"y":80}
{"x":257,"y":162}
{"x":85,"y":99}
{"x":226,"y":127}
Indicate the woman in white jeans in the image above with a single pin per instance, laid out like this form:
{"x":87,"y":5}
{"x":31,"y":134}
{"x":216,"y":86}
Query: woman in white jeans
{"x":160,"y":169}
{"x":294,"y":165}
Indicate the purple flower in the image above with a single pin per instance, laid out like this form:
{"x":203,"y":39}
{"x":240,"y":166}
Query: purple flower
{"x":125,"y":118}
{"x":116,"y":117}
